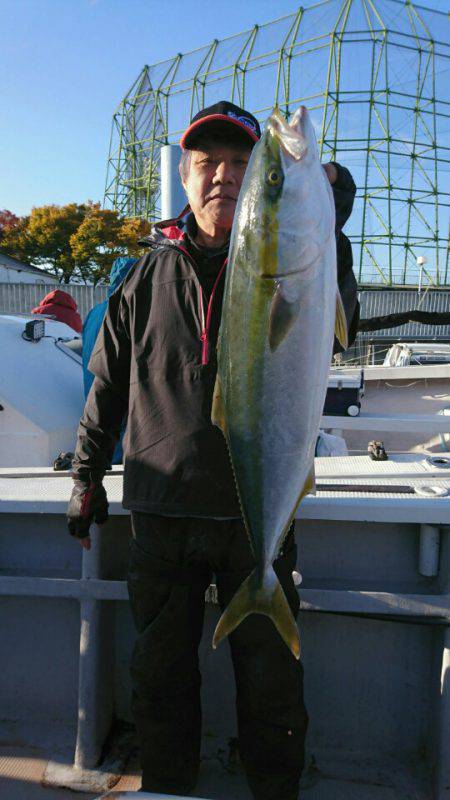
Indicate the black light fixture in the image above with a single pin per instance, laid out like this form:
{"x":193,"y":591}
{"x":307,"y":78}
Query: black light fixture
{"x":34,"y":330}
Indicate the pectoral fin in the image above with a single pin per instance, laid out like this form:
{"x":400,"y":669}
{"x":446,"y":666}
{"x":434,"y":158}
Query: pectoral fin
{"x":310,"y":483}
{"x":340,"y":325}
{"x":283,"y":313}
{"x":309,"y":487}
{"x":217,"y":410}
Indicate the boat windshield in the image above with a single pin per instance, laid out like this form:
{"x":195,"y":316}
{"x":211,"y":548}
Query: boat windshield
{"x":75,"y":344}
{"x":71,"y":347}
{"x":404,"y":355}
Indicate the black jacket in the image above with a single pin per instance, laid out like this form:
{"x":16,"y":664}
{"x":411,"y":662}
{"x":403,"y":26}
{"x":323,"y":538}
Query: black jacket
{"x":344,"y":191}
{"x":155,"y":360}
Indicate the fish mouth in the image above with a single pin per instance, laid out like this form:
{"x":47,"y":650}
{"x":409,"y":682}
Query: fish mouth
{"x":289,"y":137}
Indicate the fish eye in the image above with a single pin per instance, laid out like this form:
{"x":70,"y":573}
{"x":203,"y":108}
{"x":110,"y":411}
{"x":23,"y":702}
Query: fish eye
{"x":274,"y":177}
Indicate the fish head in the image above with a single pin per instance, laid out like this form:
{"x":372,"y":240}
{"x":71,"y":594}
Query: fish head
{"x":296,"y":138}
{"x":286,"y":214}
{"x":306,"y":207}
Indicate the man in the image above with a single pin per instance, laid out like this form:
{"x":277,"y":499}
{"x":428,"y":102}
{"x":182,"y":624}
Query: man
{"x":155,"y":357}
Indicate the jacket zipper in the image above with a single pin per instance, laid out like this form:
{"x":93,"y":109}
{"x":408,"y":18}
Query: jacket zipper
{"x":205,"y":323}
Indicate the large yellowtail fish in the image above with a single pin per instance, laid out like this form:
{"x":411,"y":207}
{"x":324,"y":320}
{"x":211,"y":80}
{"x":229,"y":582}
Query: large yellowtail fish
{"x":281,"y":308}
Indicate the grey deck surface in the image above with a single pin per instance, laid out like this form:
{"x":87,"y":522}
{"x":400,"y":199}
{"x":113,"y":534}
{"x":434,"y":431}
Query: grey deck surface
{"x":43,"y":491}
{"x":21,"y":770}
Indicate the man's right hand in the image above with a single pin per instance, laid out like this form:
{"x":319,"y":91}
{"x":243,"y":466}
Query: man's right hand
{"x":87,"y":504}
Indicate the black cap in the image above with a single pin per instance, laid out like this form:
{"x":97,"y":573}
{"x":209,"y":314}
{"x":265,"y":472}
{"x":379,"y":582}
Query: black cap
{"x":222,"y":112}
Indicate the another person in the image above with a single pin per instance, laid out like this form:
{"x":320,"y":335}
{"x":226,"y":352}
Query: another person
{"x":155,"y":358}
{"x":62,"y":307}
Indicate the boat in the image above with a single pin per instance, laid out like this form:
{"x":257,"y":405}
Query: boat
{"x":407,"y":398}
{"x":373,"y":579}
{"x":41,"y":390}
{"x":374,"y":558}
{"x":405,"y":354}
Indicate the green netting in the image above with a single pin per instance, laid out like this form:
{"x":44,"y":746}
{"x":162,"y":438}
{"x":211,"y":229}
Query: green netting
{"x":374,"y":75}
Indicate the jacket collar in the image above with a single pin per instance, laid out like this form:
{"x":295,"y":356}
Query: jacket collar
{"x":167,"y":231}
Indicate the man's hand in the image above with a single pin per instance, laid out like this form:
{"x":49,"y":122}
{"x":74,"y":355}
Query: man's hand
{"x":87,"y":504}
{"x":331,"y":171}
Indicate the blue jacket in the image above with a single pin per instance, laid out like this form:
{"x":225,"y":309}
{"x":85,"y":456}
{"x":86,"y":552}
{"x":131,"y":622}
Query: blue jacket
{"x":92,"y":325}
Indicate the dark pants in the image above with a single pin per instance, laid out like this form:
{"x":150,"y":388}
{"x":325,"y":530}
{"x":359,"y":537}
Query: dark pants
{"x":171,"y":565}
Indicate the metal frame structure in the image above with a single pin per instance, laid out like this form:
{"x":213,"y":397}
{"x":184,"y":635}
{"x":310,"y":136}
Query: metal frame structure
{"x":374,"y":75}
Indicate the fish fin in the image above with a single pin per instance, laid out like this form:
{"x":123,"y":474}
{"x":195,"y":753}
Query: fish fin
{"x":310,"y":483}
{"x":340,"y":325}
{"x":268,"y":599}
{"x":309,"y":486}
{"x":217,"y":410}
{"x":282,"y":315}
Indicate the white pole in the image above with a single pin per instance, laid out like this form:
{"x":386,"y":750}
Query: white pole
{"x":420,"y":261}
{"x":173,"y":198}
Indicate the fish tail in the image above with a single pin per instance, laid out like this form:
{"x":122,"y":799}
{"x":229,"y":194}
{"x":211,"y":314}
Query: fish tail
{"x":254,"y":598}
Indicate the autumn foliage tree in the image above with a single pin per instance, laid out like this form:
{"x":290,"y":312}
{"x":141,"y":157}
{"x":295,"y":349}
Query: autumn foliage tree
{"x":76,"y":241}
{"x":8,"y":220}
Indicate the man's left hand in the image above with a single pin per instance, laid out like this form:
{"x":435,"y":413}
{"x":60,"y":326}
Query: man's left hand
{"x":331,"y":172}
{"x":88,"y":504}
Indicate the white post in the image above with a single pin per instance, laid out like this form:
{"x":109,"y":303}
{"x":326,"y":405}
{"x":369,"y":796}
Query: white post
{"x":420,"y":261}
{"x":429,"y":550}
{"x":173,"y":198}
{"x":95,"y":700}
{"x":420,"y":280}
{"x":442,"y":789}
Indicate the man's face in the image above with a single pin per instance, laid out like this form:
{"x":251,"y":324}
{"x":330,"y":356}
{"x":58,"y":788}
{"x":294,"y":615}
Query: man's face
{"x":212,"y":185}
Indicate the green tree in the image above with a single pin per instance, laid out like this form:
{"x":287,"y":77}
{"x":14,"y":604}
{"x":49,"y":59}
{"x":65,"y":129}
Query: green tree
{"x":43,"y":238}
{"x":132,"y":230}
{"x":102,"y":237}
{"x":94,"y":245}
{"x":75,"y":241}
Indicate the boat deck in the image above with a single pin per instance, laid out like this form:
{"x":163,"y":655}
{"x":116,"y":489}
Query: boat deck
{"x":22,"y":770}
{"x":41,"y":496}
{"x":43,"y":491}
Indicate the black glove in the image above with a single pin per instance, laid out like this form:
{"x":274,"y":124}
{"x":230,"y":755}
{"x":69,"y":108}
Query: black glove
{"x":87,"y":504}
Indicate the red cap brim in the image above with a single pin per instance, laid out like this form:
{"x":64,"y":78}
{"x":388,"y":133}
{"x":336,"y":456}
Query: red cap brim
{"x":212,"y":118}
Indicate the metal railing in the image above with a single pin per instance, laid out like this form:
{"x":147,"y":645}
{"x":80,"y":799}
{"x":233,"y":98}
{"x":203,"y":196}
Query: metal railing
{"x":20,"y":298}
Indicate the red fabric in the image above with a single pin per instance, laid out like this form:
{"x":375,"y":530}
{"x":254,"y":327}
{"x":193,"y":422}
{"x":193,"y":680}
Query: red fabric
{"x":205,"y":332}
{"x":173,"y":232}
{"x":62,"y":306}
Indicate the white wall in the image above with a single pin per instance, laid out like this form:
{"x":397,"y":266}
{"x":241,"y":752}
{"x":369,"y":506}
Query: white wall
{"x":11,"y":275}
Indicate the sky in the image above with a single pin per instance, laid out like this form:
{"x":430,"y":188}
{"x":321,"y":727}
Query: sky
{"x":66,"y":64}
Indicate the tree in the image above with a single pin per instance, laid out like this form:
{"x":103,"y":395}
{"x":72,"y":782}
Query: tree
{"x":8,"y":220}
{"x":94,"y":245}
{"x":131,"y":232}
{"x":43,"y":238}
{"x":77,"y":241}
{"x":102,"y":237}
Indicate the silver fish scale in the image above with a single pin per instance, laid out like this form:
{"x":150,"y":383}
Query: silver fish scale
{"x":273,"y":400}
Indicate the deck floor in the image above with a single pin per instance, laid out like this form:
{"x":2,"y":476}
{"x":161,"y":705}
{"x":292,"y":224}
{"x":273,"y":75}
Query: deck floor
{"x":21,"y":771}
